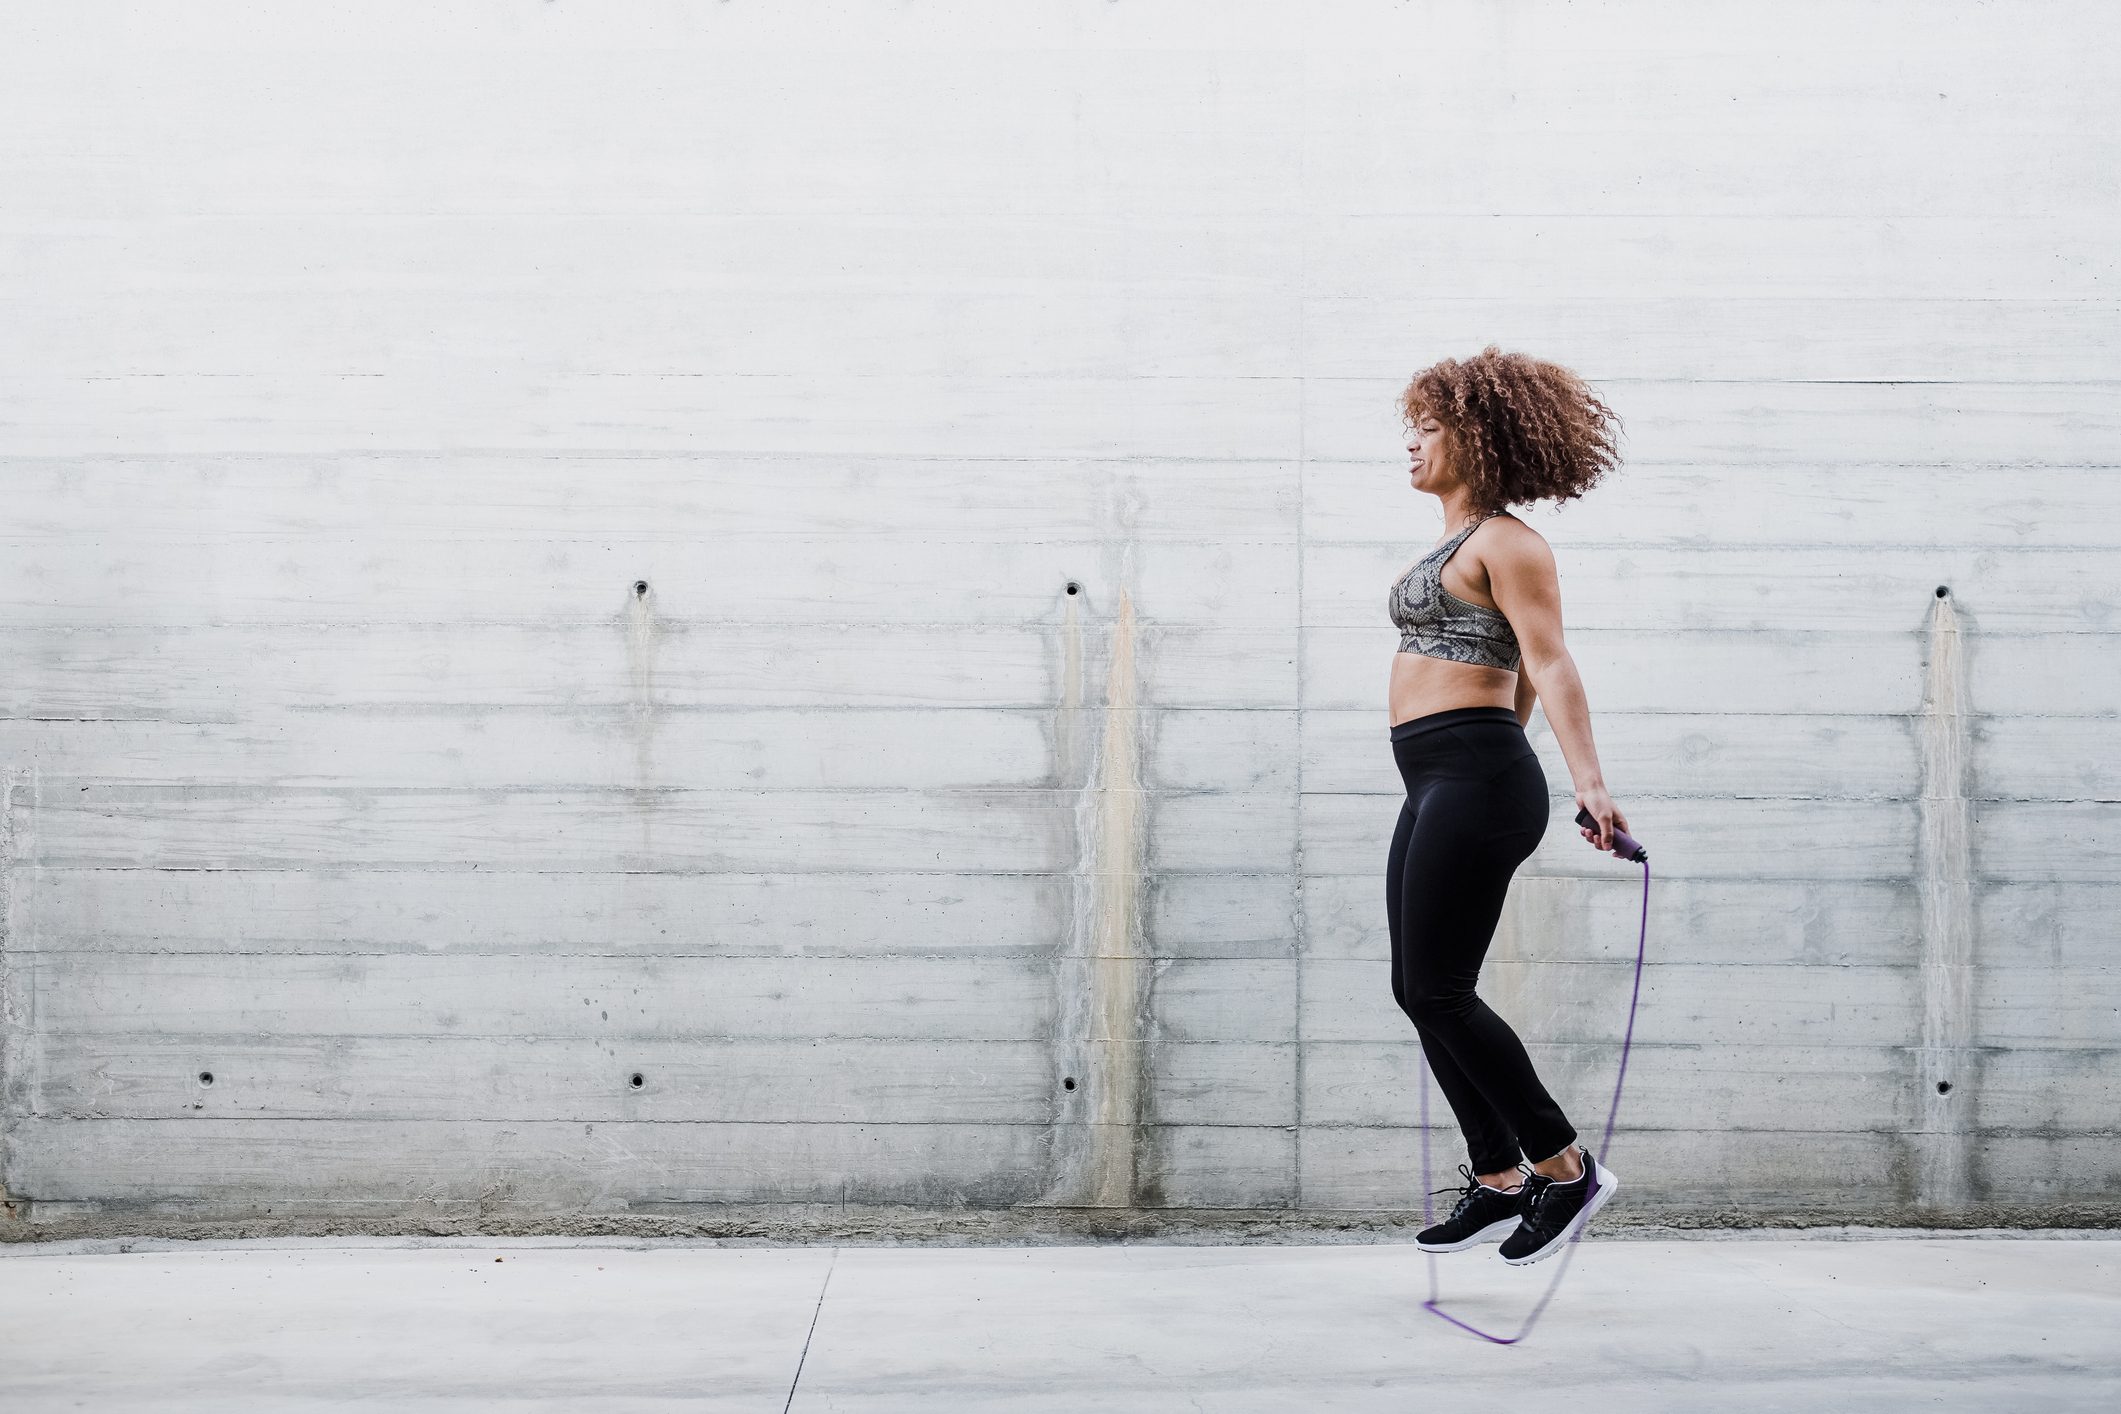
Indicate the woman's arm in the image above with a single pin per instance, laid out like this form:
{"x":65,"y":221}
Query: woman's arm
{"x":1526,"y":587}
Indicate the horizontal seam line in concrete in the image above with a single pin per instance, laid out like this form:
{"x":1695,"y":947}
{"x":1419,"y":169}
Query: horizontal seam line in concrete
{"x":304,"y":1043}
{"x":838,"y":459}
{"x":645,"y":959}
{"x":977,"y":1125}
{"x":1294,"y":379}
{"x":1033,"y":629}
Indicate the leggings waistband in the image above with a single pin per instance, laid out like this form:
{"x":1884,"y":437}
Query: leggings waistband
{"x":1415,"y":726}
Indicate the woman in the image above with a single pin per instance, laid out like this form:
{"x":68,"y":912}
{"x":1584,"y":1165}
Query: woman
{"x":1480,"y":624}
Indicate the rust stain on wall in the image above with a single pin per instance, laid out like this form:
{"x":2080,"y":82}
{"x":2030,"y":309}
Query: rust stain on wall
{"x":1944,"y":870}
{"x":1100,"y":979}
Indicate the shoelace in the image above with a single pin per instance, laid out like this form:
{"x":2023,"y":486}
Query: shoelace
{"x":1468,"y":1191}
{"x":1465,"y":1192}
{"x":1538,"y":1212}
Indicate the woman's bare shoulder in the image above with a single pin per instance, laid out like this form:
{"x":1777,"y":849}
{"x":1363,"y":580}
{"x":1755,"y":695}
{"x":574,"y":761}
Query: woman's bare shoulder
{"x":1517,"y":548}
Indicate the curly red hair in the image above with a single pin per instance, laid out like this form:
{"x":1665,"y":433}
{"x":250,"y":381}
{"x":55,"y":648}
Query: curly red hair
{"x":1522,"y":429}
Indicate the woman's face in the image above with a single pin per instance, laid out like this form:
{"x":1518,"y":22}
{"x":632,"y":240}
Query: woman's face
{"x":1428,"y":450}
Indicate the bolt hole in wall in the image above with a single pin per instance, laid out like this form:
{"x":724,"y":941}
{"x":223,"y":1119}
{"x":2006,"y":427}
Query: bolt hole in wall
{"x":1944,"y":591}
{"x":1068,"y":1084}
{"x":206,"y":1077}
{"x":636,"y":1082}
{"x":1944,"y":1087}
{"x":640,"y":588}
{"x":1074,"y":588}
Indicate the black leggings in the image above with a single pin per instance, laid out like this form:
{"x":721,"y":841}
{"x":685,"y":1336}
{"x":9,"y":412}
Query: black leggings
{"x":1476,"y":808}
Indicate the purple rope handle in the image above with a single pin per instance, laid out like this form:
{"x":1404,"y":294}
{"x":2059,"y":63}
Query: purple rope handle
{"x":1428,"y":1206}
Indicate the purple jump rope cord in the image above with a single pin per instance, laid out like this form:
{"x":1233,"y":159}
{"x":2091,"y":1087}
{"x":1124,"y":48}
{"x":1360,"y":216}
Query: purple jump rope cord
{"x":1428,"y":1212}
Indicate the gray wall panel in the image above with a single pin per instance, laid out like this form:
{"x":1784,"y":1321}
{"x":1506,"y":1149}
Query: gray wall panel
{"x":982,"y":801}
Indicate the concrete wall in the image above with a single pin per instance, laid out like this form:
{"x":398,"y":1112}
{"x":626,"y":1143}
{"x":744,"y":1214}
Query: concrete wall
{"x":838,"y":567}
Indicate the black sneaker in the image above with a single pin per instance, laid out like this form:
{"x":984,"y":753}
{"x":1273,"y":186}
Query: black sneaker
{"x":1482,"y":1214}
{"x":1555,"y":1211}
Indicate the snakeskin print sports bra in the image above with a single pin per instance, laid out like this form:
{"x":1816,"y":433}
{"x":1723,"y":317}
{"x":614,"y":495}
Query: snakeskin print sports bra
{"x":1438,"y":624}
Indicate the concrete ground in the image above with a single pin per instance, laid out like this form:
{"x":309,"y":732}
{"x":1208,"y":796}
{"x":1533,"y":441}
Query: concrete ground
{"x":1739,"y":1322}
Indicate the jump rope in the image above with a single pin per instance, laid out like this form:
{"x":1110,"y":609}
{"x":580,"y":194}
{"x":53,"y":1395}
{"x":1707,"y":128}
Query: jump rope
{"x":1626,"y":848}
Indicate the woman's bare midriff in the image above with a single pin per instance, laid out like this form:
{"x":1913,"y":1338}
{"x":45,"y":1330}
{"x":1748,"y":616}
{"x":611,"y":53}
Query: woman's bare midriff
{"x":1421,"y":685}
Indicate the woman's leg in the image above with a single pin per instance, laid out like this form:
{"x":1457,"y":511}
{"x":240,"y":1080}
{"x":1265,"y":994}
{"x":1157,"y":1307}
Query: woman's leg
{"x":1490,"y":1142}
{"x":1466,"y":840}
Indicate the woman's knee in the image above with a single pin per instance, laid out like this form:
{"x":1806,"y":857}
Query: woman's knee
{"x":1435,"y":1005}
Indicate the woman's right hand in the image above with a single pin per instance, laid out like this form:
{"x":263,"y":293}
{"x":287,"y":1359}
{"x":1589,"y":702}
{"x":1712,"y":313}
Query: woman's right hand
{"x":1605,"y":813}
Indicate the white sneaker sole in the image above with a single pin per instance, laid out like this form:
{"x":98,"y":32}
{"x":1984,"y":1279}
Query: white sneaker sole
{"x":1493,"y":1232}
{"x":1606,"y":1186}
